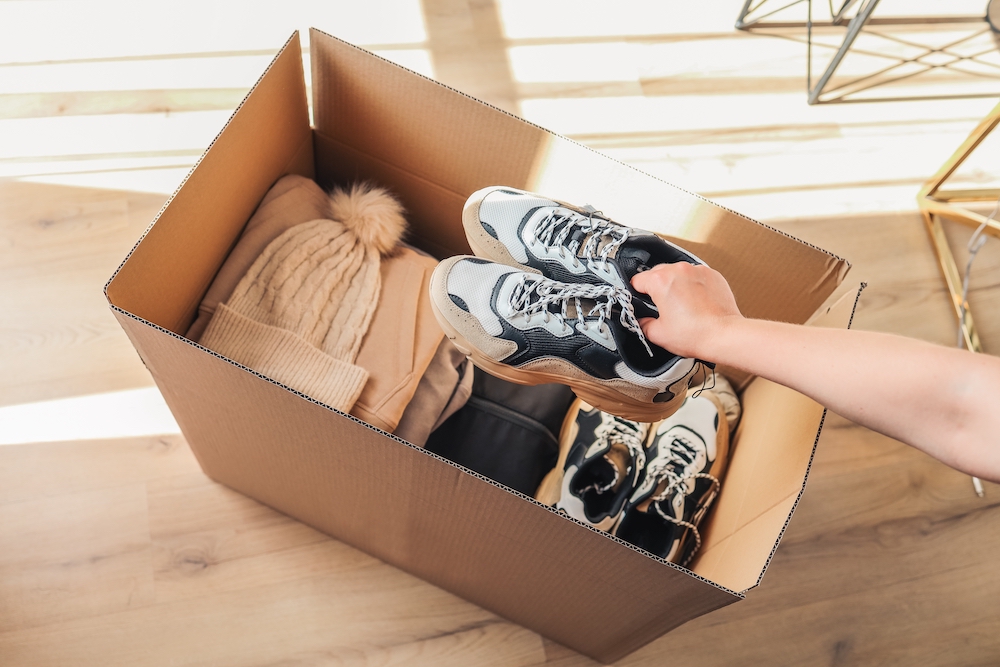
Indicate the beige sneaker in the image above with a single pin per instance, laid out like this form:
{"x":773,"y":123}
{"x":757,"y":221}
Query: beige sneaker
{"x":528,"y":329}
{"x":687,"y":457}
{"x":602,"y":459}
{"x":563,"y":242}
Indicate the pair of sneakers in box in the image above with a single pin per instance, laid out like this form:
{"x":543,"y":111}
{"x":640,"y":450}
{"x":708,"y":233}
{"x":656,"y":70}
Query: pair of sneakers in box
{"x":548,"y":298}
{"x":649,"y":484}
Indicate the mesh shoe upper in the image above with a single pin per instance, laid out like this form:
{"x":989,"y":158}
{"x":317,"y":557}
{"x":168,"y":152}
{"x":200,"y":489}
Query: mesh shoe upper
{"x":687,"y":455}
{"x":565,"y":243}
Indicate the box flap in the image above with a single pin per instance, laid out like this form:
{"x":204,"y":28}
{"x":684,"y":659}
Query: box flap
{"x":436,"y":146}
{"x":169,"y":270}
{"x":772,"y":451}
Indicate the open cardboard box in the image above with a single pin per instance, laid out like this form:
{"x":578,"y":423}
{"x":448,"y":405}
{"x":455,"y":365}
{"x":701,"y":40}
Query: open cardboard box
{"x":434,"y":146}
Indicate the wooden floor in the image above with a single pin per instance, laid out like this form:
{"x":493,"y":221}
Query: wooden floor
{"x":121,"y":552}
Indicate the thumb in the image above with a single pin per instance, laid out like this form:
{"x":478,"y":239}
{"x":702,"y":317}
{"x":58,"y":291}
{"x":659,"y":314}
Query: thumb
{"x":645,"y":323}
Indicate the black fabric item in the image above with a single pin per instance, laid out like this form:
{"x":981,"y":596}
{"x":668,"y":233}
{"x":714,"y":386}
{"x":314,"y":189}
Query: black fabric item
{"x":507,"y":432}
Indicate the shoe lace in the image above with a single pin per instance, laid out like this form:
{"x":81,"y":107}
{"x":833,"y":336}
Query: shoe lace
{"x":615,"y":431}
{"x":557,"y":228}
{"x":676,"y":469}
{"x":536,"y":295}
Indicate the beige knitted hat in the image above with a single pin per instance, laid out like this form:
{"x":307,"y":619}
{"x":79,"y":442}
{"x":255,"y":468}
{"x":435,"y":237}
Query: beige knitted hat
{"x":299,"y":314}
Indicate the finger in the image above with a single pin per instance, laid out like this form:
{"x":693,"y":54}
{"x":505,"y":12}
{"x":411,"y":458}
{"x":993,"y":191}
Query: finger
{"x":646,"y":281}
{"x":646,"y":323}
{"x":640,"y":282}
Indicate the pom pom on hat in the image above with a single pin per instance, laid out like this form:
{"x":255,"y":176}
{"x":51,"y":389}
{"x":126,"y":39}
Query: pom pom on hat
{"x":371,"y":213}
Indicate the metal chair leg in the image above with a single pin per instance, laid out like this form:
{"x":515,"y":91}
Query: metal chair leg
{"x":853,"y":30}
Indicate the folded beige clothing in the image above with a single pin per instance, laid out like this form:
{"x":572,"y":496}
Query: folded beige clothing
{"x":408,"y":359}
{"x":450,"y":369}
{"x":402,"y":341}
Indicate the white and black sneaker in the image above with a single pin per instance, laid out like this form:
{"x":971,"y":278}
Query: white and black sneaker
{"x":602,"y":459}
{"x":687,"y":454}
{"x":564,"y":242}
{"x":528,"y":329}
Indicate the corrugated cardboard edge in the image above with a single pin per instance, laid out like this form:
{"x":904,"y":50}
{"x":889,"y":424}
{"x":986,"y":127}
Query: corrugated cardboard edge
{"x":812,"y":456}
{"x":166,"y":204}
{"x":450,"y":463}
{"x":592,"y":150}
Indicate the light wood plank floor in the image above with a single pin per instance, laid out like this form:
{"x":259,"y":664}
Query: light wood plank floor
{"x":121,"y":552}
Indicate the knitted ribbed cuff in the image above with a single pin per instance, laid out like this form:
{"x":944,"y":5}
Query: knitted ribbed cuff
{"x":283,"y":356}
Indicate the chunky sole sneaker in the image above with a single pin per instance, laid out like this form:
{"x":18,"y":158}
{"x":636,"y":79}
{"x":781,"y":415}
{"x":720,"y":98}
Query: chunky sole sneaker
{"x":528,"y":329}
{"x":687,"y":455}
{"x":564,"y":242}
{"x":602,"y":459}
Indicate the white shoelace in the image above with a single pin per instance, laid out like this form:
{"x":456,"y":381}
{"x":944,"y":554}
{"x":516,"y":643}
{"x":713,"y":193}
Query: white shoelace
{"x":616,"y":432}
{"x":556,"y":228}
{"x":662,"y":468}
{"x":549,"y":292}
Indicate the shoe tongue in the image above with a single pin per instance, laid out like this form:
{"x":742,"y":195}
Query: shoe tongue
{"x":666,"y":503}
{"x":678,"y":466}
{"x":577,"y":238}
{"x":576,"y":234}
{"x":684,"y":455}
{"x":586,"y":305}
{"x":603,"y":241}
{"x":619,"y":458}
{"x":572,"y":313}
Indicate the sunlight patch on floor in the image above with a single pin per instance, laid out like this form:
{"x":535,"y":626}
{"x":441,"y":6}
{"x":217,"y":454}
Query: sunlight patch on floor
{"x":120,"y":414}
{"x":126,"y":96}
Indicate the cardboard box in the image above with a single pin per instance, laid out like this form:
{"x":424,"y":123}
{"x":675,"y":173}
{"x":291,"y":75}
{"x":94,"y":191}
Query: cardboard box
{"x":434,"y":146}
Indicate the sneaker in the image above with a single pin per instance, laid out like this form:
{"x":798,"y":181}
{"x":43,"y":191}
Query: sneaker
{"x":528,"y":329}
{"x":602,"y":459}
{"x":564,"y":242}
{"x":687,"y":455}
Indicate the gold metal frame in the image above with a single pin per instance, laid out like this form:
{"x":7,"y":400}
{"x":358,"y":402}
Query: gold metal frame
{"x":935,"y":205}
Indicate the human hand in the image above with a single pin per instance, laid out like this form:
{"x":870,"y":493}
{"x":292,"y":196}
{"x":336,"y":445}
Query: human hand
{"x":695,"y":304}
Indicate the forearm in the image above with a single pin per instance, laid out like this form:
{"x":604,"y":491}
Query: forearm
{"x":925,"y":395}
{"x":943,"y":401}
